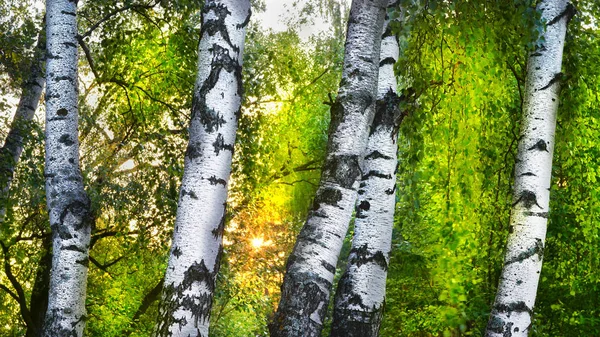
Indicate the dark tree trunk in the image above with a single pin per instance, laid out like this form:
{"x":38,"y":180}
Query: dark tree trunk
{"x":39,"y":295}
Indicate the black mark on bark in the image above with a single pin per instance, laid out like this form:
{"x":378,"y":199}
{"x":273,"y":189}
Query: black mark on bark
{"x":387,"y":60}
{"x":194,"y":150}
{"x":219,"y":145}
{"x":177,"y":252}
{"x":536,"y":249}
{"x":569,"y":12}
{"x":246,"y":20}
{"x":189,"y":193}
{"x":327,"y":195}
{"x":377,"y":174}
{"x":73,"y":248}
{"x":343,"y":170}
{"x":377,"y":155}
{"x":361,"y":255}
{"x":528,"y":198}
{"x":217,"y":181}
{"x":541,"y":145}
{"x":557,"y":77}
{"x":66,"y":140}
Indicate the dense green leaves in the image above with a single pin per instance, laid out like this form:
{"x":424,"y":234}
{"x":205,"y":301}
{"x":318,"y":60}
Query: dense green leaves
{"x":465,"y":60}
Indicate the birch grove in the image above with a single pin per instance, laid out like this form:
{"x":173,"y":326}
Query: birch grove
{"x":514,"y":304}
{"x":311,"y":265}
{"x":360,"y":293}
{"x":171,"y":193}
{"x":68,"y":203}
{"x":189,"y":285}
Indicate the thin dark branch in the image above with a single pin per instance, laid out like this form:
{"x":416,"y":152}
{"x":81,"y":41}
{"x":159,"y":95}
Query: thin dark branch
{"x":31,"y":237}
{"x":113,"y":13}
{"x":10,"y":292}
{"x":304,"y":167}
{"x":520,"y":80}
{"x":172,"y":108}
{"x":107,"y":234}
{"x":311,"y":83}
{"x":17,"y":286}
{"x":88,"y":56}
{"x":297,"y":181}
{"x":149,"y":299}
{"x":105,"y":267}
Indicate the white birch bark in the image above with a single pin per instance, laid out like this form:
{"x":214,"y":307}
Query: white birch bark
{"x":197,"y":240}
{"x":311,"y":265}
{"x":31,"y":91}
{"x":360,"y":293}
{"x":68,"y":204}
{"x":515,"y":299}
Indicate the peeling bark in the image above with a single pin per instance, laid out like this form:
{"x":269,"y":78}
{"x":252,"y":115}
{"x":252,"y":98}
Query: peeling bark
{"x":68,"y":203}
{"x":360,"y":294}
{"x":310,"y":267}
{"x":513,"y":307}
{"x":31,"y":91}
{"x":190,"y":278}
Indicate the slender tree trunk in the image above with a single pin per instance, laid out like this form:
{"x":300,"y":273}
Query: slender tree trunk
{"x":68,"y":204}
{"x":311,"y":266}
{"x":39,"y":295}
{"x":197,"y":240}
{"x":31,"y":92}
{"x":361,"y":290}
{"x":513,"y":307}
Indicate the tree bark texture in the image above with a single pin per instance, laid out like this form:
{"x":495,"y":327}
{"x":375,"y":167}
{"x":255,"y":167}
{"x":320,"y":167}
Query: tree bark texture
{"x":68,"y":203}
{"x":197,"y":240}
{"x":311,"y":265}
{"x":360,"y":293}
{"x":515,"y":299}
{"x":31,"y":92}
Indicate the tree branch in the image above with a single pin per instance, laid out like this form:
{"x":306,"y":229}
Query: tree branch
{"x":113,"y":13}
{"x":21,"y":299}
{"x":150,"y":298}
{"x":10,"y":292}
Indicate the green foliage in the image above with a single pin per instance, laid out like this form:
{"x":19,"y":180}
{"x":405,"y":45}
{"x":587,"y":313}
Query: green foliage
{"x":465,"y":59}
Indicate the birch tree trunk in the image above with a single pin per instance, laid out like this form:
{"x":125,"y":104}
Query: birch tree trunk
{"x":311,"y":265}
{"x":197,"y":240}
{"x":360,"y":293}
{"x":31,"y":91}
{"x":515,"y":299}
{"x":68,"y":204}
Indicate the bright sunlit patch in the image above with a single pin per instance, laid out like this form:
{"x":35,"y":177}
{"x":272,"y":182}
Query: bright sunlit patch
{"x":257,"y":242}
{"x":132,"y":224}
{"x":128,"y":165}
